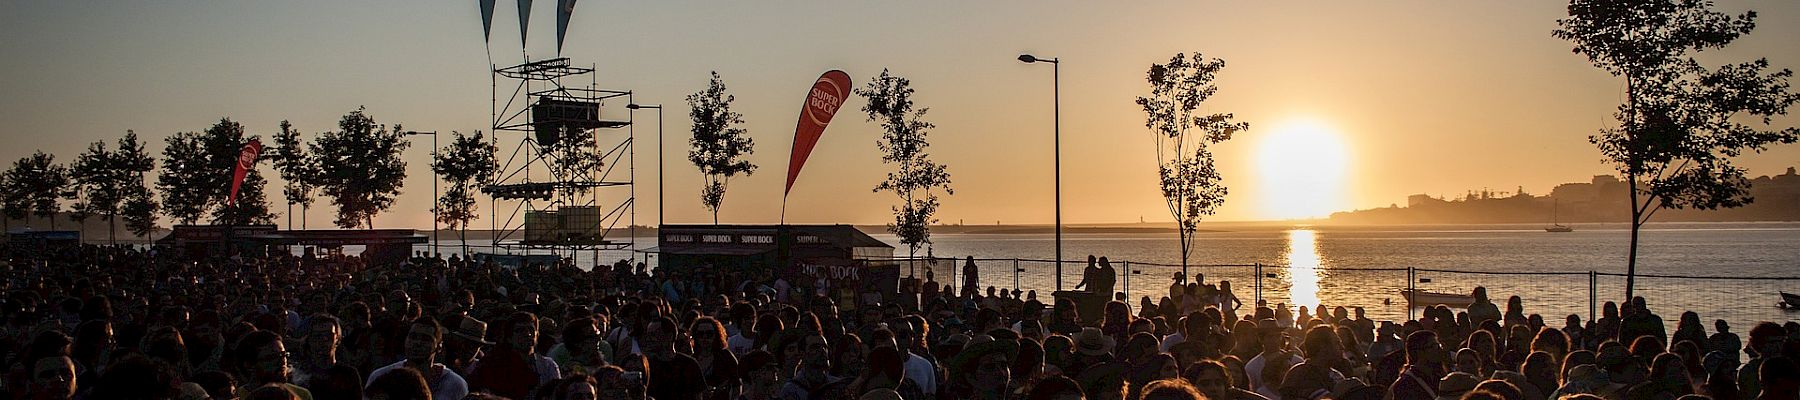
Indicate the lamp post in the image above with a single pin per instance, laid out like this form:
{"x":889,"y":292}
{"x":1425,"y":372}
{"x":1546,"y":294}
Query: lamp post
{"x":1056,"y":95}
{"x":659,"y":159}
{"x":434,"y":188}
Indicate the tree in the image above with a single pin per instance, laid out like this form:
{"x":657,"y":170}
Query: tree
{"x":40,"y":184}
{"x":719,"y":147}
{"x":467,"y":164}
{"x":187,"y":180}
{"x":1681,"y":122}
{"x":104,"y":179}
{"x":138,"y":206}
{"x":297,"y":168}
{"x":139,"y":211}
{"x":13,"y":199}
{"x":1188,"y":177}
{"x":903,"y":143}
{"x":360,"y":168}
{"x":96,"y":189}
{"x":196,"y":177}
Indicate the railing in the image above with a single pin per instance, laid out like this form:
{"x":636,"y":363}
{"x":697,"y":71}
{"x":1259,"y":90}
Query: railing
{"x":1554,"y":294}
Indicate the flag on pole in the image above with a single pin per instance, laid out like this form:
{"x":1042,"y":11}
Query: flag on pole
{"x":487,"y":18}
{"x":246,"y":161}
{"x":564,"y":10}
{"x":822,"y":103}
{"x":524,"y":20}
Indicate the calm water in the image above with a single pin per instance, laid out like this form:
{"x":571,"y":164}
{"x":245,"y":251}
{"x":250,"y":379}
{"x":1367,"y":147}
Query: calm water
{"x":1340,"y":265}
{"x":1343,"y":265}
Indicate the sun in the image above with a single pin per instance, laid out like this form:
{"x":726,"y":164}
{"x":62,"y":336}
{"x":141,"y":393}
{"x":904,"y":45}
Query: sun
{"x":1301,"y":171}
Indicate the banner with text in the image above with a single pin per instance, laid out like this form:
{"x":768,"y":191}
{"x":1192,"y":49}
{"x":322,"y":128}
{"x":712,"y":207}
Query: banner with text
{"x":246,"y":161}
{"x":822,"y":103}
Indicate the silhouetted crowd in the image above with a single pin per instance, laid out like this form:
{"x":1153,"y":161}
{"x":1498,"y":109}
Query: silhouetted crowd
{"x":95,"y":322}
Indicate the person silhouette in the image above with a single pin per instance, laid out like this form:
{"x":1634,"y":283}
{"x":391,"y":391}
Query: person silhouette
{"x":971,"y":274}
{"x":1104,"y":277}
{"x":1088,"y":275}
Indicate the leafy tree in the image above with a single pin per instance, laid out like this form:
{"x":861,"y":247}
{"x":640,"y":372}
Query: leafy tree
{"x":13,"y":199}
{"x":1190,"y":182}
{"x":97,"y":185}
{"x":903,"y":144}
{"x":360,"y":167}
{"x":467,"y":164}
{"x":104,"y":179}
{"x":297,"y":168}
{"x":719,"y":147}
{"x":137,"y":207}
{"x":1681,"y":122}
{"x":196,"y":177}
{"x":139,"y":211}
{"x":187,"y":180}
{"x":40,"y":183}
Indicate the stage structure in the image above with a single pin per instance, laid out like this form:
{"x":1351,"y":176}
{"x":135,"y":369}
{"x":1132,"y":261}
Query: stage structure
{"x":566,"y":180}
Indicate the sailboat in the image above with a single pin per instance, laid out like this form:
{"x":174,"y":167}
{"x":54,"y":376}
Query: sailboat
{"x":1556,"y":225}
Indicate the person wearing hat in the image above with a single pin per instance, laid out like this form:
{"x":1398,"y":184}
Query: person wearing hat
{"x":983,"y":369}
{"x":1092,"y":347}
{"x":1454,"y":385}
{"x":467,"y":337}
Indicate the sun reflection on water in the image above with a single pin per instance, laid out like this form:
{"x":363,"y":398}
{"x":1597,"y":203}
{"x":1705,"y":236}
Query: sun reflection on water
{"x":1303,"y":267}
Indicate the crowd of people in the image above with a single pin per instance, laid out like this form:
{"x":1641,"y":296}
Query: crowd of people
{"x":103,"y":322}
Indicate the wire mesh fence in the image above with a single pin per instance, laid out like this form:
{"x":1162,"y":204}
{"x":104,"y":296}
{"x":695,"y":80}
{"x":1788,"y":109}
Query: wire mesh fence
{"x":1380,"y":292}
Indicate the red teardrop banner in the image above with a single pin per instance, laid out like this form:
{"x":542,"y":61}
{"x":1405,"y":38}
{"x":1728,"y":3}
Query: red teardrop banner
{"x":822,"y":103}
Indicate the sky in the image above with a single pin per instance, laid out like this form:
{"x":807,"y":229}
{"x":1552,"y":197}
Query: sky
{"x":1351,"y":104}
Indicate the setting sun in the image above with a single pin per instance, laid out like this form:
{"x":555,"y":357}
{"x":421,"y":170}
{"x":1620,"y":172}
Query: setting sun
{"x":1300,"y":169}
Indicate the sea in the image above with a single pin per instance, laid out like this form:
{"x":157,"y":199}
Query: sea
{"x":1729,"y":271}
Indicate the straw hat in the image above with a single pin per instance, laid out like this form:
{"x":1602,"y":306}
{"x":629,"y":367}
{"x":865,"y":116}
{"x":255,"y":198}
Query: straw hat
{"x":472,"y":329}
{"x":1454,"y":385}
{"x":1092,"y":342}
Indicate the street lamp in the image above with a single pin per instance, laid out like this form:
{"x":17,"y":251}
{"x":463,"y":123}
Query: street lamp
{"x":1056,"y":94}
{"x":659,"y":158}
{"x":434,"y":188}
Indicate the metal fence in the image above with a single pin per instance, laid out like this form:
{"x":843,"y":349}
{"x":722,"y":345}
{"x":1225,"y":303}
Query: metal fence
{"x":1555,"y":295}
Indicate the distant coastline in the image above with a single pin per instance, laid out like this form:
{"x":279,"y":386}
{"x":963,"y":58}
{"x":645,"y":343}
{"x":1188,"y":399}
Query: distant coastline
{"x":1602,"y":199}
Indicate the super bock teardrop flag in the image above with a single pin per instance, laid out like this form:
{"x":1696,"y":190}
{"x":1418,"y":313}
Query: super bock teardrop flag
{"x":822,"y":103}
{"x":524,"y":19}
{"x":487,"y":18}
{"x":564,"y":10}
{"x":246,"y":161}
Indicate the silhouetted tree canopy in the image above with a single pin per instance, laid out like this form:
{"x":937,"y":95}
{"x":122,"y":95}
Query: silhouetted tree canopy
{"x":1189,"y":179}
{"x":719,"y":147}
{"x":360,"y":167}
{"x":1682,"y":122}
{"x":903,"y":143}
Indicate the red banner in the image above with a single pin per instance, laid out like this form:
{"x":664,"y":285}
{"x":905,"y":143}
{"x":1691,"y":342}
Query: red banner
{"x":828,"y":93}
{"x":246,"y":161}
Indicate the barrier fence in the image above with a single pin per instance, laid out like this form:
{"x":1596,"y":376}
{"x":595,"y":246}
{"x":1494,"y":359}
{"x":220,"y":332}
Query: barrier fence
{"x":1740,"y":300}
{"x":1555,"y":295}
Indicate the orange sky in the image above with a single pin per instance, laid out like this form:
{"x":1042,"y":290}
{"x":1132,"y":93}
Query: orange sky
{"x":1426,"y":96}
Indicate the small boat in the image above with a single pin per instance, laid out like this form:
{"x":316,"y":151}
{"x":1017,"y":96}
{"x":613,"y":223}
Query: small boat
{"x":1426,"y":299}
{"x":1790,"y":300}
{"x":1556,"y":225}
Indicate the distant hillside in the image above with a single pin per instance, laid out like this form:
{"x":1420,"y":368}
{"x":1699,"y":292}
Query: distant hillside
{"x":1603,"y":199}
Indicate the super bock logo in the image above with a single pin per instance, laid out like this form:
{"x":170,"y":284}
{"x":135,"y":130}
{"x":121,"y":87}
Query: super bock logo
{"x":824,"y":101}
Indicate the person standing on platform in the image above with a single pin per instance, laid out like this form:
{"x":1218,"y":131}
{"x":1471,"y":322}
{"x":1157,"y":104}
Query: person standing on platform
{"x":971,"y":275}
